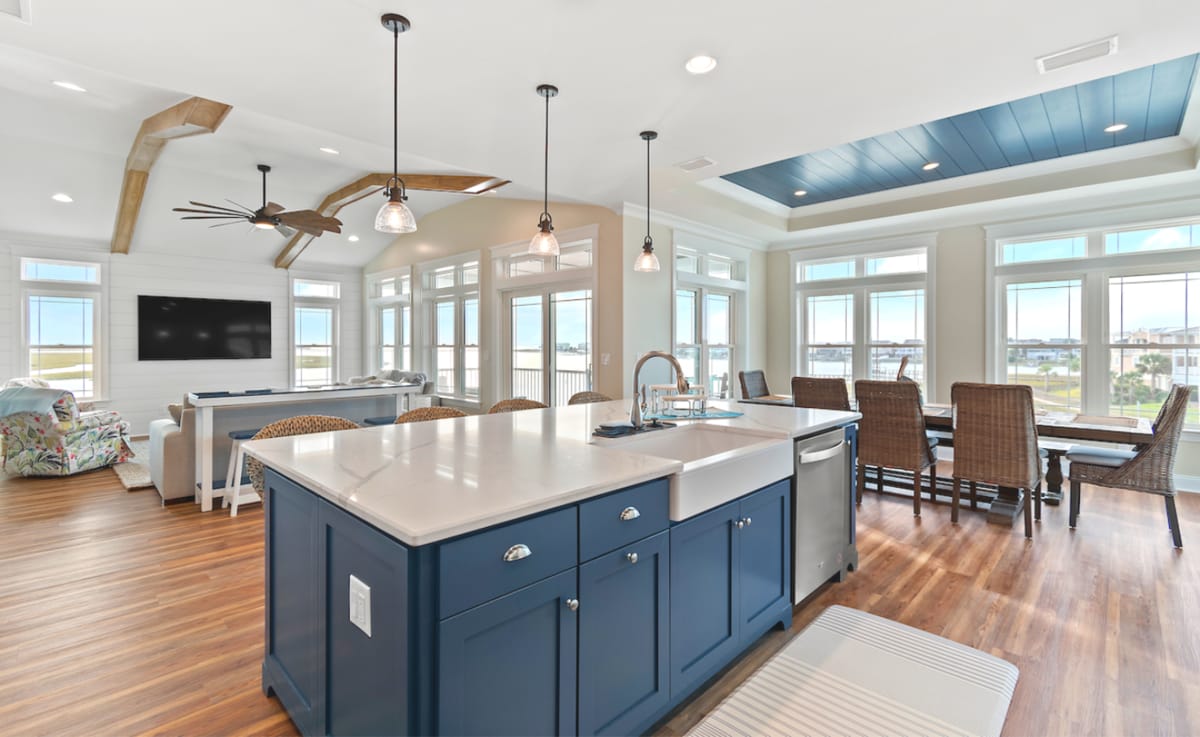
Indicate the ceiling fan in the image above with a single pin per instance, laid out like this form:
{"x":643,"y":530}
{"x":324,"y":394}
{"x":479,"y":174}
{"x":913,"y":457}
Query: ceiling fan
{"x":269,"y":216}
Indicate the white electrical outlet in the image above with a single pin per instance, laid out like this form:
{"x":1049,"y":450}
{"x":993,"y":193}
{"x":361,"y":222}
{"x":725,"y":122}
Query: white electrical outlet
{"x":360,"y":605}
{"x":604,"y":359}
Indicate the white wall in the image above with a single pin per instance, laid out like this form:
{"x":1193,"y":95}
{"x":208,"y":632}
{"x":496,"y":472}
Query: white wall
{"x":141,"y":390}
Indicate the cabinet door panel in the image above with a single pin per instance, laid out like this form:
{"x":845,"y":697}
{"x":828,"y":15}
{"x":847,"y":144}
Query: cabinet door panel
{"x":294,"y":667}
{"x":766,"y":559}
{"x":623,"y":678}
{"x":368,"y":675}
{"x":508,"y":667}
{"x":704,"y":596}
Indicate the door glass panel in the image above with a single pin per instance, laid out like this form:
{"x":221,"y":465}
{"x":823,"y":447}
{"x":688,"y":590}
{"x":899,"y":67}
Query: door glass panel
{"x":572,"y":320}
{"x":528,"y":360}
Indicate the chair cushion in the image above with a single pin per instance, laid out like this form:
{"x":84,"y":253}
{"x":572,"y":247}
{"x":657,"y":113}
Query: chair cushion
{"x":1111,"y":458}
{"x":243,"y":434}
{"x":377,"y":421}
{"x":176,"y":412}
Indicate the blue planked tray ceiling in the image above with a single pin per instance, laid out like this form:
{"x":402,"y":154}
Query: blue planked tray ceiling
{"x":1150,"y":101}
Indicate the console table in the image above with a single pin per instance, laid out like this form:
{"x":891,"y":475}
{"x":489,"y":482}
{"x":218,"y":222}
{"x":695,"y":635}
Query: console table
{"x":207,"y":402}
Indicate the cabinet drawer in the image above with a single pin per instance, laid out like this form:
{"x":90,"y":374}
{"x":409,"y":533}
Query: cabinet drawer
{"x":605,"y":525}
{"x":474,"y":569}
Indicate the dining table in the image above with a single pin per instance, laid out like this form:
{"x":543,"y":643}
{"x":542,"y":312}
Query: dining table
{"x":1057,"y":431}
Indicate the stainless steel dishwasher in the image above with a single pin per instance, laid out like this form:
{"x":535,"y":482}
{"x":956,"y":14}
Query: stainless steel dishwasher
{"x":824,"y":510}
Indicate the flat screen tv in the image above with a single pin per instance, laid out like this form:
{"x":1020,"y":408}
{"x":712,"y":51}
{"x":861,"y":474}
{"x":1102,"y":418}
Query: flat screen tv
{"x":184,"y":328}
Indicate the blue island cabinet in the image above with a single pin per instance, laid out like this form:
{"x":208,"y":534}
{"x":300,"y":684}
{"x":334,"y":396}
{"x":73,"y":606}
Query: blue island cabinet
{"x":730,"y":582}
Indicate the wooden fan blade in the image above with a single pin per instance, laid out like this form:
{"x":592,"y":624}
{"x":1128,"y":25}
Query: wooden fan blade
{"x":310,"y":221}
{"x":273,"y":208}
{"x":214,"y":207}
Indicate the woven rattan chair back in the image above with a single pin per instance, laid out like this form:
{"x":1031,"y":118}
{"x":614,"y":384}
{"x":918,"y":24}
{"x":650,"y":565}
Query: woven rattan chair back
{"x":588,"y":398}
{"x":424,"y":414}
{"x":814,"y":393}
{"x":1152,"y":470}
{"x":515,"y":405}
{"x":995,"y":435}
{"x":754,"y":384}
{"x":892,"y":431}
{"x":302,"y":425}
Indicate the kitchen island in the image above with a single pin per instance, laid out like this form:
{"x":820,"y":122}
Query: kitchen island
{"x":509,"y":574}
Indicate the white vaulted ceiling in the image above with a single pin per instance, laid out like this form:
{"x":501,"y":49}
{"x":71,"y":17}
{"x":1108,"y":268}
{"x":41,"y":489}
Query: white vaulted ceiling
{"x":792,"y":77}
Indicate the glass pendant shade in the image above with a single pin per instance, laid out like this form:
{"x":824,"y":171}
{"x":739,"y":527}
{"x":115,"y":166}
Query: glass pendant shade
{"x":544,"y":243}
{"x":646,"y":260}
{"x":395,"y":217}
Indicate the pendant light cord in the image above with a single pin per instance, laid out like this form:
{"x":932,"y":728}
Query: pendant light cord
{"x":396,"y":103}
{"x":546,"y":164}
{"x":648,"y":189}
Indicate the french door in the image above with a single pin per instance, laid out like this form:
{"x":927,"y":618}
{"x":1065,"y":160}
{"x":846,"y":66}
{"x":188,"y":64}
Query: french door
{"x":548,"y":341}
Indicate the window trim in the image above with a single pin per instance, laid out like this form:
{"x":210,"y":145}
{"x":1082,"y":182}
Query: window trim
{"x":373,"y":304}
{"x":295,"y":302}
{"x":705,"y":244}
{"x":862,"y":286}
{"x":99,"y":290}
{"x":425,"y":298}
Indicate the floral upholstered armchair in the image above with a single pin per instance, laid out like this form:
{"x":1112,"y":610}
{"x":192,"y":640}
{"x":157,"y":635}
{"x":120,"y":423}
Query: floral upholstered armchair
{"x":62,"y":441}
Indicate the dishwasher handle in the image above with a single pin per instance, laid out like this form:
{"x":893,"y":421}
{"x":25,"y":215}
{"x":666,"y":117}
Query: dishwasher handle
{"x":821,"y":455}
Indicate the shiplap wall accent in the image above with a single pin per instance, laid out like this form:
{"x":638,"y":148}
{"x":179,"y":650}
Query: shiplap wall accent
{"x":141,"y":390}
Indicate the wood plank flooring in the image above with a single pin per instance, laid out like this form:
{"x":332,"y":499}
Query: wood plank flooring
{"x":121,"y":617}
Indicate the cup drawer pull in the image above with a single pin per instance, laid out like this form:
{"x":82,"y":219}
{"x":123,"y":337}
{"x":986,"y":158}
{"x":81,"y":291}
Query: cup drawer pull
{"x":630,"y":513}
{"x":517,"y":552}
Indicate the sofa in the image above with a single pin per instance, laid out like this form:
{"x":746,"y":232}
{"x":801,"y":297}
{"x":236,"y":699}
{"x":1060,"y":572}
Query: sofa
{"x":56,"y":439}
{"x":173,"y":453}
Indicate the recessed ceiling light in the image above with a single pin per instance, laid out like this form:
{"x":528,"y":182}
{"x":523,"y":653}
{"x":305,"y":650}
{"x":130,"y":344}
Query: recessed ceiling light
{"x":60,"y":197}
{"x":353,"y":239}
{"x":330,"y":151}
{"x":931,"y":165}
{"x":1116,"y":127}
{"x":700,"y":64}
{"x":800,"y":192}
{"x":68,"y":86}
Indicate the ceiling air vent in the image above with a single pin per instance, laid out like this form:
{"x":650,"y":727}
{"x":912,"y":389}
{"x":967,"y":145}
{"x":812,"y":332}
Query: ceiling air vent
{"x":1086,"y":52}
{"x":697,"y":163}
{"x":18,"y":9}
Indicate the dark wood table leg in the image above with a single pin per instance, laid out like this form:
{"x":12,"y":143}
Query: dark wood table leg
{"x":1052,"y":494}
{"x":1006,"y":507}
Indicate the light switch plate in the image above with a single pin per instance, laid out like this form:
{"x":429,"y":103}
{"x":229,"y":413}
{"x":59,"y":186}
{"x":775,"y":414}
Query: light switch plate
{"x":360,"y":605}
{"x":604,"y":359}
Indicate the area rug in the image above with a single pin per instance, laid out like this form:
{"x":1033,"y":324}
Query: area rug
{"x":135,"y":472}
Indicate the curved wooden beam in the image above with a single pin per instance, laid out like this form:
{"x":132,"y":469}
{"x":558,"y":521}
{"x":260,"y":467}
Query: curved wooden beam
{"x":191,"y":117}
{"x":372,"y":183}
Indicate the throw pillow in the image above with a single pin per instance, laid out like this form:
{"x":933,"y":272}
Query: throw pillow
{"x":176,"y":411}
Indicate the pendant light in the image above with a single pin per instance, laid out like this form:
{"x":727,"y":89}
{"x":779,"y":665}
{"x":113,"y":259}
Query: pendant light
{"x":394,"y":216}
{"x":646,"y":260}
{"x":544,"y":243}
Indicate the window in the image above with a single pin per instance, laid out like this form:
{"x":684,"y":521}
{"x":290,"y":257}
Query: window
{"x":547,"y":319}
{"x":314,"y":332}
{"x":859,"y":316}
{"x":390,"y":312}
{"x":61,"y":301}
{"x":709,"y":298}
{"x":452,"y":291}
{"x":1108,"y":329}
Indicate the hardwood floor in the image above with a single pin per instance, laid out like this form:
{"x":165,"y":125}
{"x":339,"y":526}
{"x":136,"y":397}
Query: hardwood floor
{"x":118,"y":616}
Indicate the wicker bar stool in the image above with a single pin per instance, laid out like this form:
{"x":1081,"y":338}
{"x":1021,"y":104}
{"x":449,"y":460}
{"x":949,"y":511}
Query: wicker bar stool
{"x":1149,"y":469}
{"x":754,"y":386}
{"x":302,"y":425}
{"x":814,"y":393}
{"x":588,"y":398}
{"x":424,"y":414}
{"x":996,"y":442}
{"x":891,"y":433}
{"x":515,"y":405}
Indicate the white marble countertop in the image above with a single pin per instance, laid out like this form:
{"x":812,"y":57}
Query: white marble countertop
{"x":428,"y":481}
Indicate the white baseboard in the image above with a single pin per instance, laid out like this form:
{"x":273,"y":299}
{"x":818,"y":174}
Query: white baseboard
{"x":1187,"y":483}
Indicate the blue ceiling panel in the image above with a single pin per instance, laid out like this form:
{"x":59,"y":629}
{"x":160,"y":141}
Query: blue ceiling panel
{"x":1150,"y":101}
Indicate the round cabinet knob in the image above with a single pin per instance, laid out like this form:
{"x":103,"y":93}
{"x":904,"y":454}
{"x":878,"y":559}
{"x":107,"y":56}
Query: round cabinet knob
{"x":740,"y":523}
{"x":748,"y":521}
{"x":631,"y":557}
{"x":630,"y":513}
{"x":573,"y":604}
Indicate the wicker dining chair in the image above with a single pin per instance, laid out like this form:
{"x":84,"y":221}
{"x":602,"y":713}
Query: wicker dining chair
{"x":996,"y":442}
{"x":302,"y":425}
{"x":1149,"y":469}
{"x":891,"y":434}
{"x":423,"y":414}
{"x":754,"y":384}
{"x":515,"y":405}
{"x":815,"y":393}
{"x":588,"y":398}
{"x":900,"y":371}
